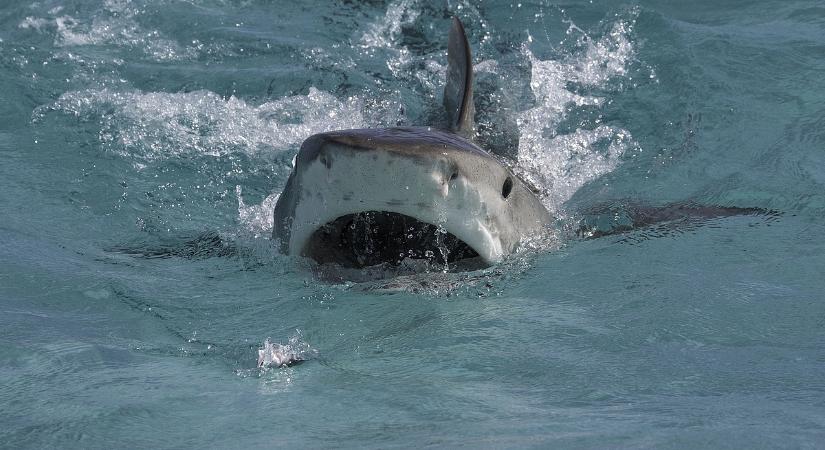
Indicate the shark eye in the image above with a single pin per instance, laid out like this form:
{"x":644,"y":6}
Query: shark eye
{"x":453,"y":176}
{"x":507,"y":187}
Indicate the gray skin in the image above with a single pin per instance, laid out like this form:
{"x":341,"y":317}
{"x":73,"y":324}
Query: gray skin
{"x":479,"y":188}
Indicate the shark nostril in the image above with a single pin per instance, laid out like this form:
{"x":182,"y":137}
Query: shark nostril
{"x":507,"y":187}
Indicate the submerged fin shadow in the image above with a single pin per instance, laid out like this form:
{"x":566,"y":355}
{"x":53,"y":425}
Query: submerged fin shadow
{"x":674,"y":218}
{"x":203,"y":246}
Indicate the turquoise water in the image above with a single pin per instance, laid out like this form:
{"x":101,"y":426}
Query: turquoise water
{"x":143,"y":144}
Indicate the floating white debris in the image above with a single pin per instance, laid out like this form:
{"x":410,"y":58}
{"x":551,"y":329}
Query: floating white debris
{"x":273,"y":354}
{"x":277,"y":355}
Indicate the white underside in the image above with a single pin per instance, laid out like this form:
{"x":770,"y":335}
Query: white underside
{"x":359,"y":181}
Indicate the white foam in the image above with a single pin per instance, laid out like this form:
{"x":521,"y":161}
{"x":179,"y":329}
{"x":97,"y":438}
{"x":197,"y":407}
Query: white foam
{"x":257,"y":219}
{"x":559,"y":164}
{"x":281,"y":355}
{"x":33,"y":23}
{"x":151,"y":125}
{"x":562,"y":164}
{"x":385,"y":34}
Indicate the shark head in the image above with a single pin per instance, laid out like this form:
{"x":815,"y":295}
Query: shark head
{"x":365,"y":197}
{"x":371,"y":196}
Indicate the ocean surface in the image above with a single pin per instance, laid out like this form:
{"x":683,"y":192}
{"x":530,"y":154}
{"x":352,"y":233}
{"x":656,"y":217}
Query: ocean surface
{"x":143,"y":145}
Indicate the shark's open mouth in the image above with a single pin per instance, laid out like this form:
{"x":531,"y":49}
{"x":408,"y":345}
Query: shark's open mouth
{"x":370,"y":238}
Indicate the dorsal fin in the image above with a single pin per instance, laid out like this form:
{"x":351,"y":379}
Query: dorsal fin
{"x":458,"y":93}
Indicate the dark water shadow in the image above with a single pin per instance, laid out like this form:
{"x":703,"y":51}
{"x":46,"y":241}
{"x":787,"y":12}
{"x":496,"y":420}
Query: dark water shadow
{"x":617,"y":218}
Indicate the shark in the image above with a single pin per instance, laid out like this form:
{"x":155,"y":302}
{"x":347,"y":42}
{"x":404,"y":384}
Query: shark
{"x":366,"y":197}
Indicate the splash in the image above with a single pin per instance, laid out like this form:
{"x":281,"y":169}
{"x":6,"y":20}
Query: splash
{"x":559,"y":164}
{"x":428,"y":70}
{"x":34,"y":23}
{"x":257,"y":219}
{"x":152,"y":125}
{"x":386,"y":33}
{"x":282,"y":355}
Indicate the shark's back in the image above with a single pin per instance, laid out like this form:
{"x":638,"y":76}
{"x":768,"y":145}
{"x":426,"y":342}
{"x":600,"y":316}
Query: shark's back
{"x":406,"y":140}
